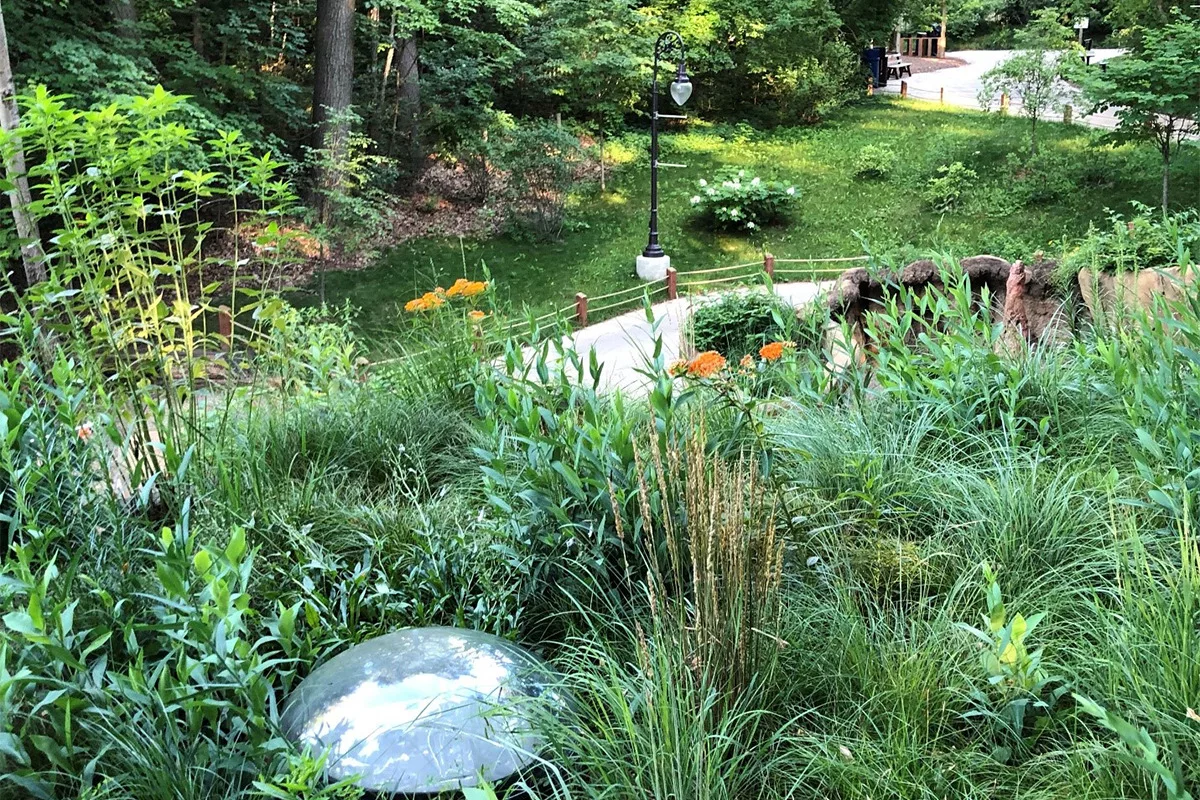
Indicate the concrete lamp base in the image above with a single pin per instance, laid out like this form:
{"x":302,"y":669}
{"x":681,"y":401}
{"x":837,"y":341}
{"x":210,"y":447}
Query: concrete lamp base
{"x":653,"y":269}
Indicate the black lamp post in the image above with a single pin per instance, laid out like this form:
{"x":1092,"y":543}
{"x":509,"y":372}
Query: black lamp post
{"x":669,"y":44}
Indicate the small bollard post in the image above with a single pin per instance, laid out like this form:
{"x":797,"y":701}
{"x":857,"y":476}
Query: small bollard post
{"x":672,"y":283}
{"x":942,"y":95}
{"x":769,"y":265}
{"x":225,"y":324}
{"x":1004,"y":103}
{"x":1068,"y":114}
{"x":581,"y":309}
{"x":903,"y":90}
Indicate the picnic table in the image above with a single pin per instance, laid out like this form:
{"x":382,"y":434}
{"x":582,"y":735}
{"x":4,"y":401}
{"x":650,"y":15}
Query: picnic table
{"x":897,"y":66}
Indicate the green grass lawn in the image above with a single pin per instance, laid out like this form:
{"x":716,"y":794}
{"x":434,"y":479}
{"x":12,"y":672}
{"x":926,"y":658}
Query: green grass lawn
{"x":609,"y":228}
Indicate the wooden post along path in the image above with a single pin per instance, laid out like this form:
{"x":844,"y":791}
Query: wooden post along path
{"x":581,"y":303}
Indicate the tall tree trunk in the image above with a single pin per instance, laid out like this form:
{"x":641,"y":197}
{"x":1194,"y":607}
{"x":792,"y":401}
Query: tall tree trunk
{"x":410,"y":101}
{"x":1166,"y":178}
{"x":380,"y":114}
{"x":32,"y":256}
{"x":125,"y":18}
{"x":387,"y":61}
{"x":603,"y":187}
{"x":197,"y":32}
{"x":333,"y":85}
{"x":373,"y":16}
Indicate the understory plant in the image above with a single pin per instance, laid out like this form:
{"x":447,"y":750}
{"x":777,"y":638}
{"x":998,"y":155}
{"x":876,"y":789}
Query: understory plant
{"x":739,"y":323}
{"x":125,"y":194}
{"x":668,"y":686}
{"x":947,"y":190}
{"x":542,"y":162}
{"x":739,"y":200}
{"x":1022,"y":696}
{"x":874,"y":162}
{"x":1146,"y":239}
{"x":1140,"y":748}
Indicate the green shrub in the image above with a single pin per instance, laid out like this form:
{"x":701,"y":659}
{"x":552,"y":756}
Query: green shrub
{"x":541,"y":161}
{"x":946,"y":191}
{"x":311,"y":349}
{"x":888,"y":565}
{"x":1147,"y":240}
{"x":739,"y":323}
{"x":874,"y":162}
{"x":1041,"y":178}
{"x":738,"y":200}
{"x":174,"y":684}
{"x":1005,"y":245}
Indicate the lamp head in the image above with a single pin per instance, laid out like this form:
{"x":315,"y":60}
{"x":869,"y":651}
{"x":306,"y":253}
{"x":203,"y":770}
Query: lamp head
{"x":681,"y":87}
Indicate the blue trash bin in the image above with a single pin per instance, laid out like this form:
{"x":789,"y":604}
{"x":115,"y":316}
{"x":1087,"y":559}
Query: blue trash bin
{"x":873,"y":57}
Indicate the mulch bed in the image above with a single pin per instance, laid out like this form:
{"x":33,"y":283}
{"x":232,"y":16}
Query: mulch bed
{"x":921,"y":65}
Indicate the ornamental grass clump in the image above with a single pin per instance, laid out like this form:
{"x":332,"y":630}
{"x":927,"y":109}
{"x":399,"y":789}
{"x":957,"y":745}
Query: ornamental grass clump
{"x":738,"y":200}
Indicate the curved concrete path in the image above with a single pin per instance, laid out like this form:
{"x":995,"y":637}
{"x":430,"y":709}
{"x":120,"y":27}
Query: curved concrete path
{"x":625,"y":344}
{"x":962,"y":83}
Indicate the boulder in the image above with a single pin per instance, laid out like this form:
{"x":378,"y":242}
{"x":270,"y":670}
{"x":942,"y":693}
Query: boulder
{"x":1104,"y":294}
{"x":1040,"y":312}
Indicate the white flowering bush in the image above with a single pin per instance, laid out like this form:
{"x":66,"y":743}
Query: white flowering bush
{"x":738,"y":200}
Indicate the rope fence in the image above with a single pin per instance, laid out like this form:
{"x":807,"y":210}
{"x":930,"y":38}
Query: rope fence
{"x":722,"y":269}
{"x":697,"y":280}
{"x":669,"y":288}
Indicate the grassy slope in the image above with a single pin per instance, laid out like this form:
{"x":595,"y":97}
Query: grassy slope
{"x":599,"y":257}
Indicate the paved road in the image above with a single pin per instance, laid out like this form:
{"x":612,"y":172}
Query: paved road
{"x":624,"y":344}
{"x":962,"y":84}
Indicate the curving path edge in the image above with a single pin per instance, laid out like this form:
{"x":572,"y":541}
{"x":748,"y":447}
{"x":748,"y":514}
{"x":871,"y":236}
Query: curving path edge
{"x":624,"y":344}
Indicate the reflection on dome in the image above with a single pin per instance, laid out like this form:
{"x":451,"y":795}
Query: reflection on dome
{"x":422,"y":710}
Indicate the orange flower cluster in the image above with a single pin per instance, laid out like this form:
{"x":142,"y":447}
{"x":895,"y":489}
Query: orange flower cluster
{"x":438,"y":297}
{"x":775,"y":350}
{"x":706,"y":364}
{"x":427,"y":301}
{"x":465,"y":288}
{"x":678,"y":368}
{"x":476,"y":315}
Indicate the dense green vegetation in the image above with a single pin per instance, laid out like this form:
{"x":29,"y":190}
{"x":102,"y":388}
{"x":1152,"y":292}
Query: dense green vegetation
{"x":764,"y":578}
{"x":1017,"y":206}
{"x":993,"y":24}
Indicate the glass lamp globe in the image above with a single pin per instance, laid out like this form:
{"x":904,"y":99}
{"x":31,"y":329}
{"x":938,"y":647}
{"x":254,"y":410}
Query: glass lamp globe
{"x":424,"y":710}
{"x":681,"y":89}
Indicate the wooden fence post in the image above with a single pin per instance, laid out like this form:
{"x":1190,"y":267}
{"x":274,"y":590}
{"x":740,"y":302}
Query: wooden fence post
{"x":769,"y":265}
{"x":942,"y":95}
{"x":1068,"y":114}
{"x":581,"y":309}
{"x":903,"y":90}
{"x":672,"y":283}
{"x":225,"y":324}
{"x":1004,"y":103}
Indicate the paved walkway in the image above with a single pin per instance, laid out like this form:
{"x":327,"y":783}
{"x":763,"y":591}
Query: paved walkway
{"x":962,"y":83}
{"x":625,"y":344}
